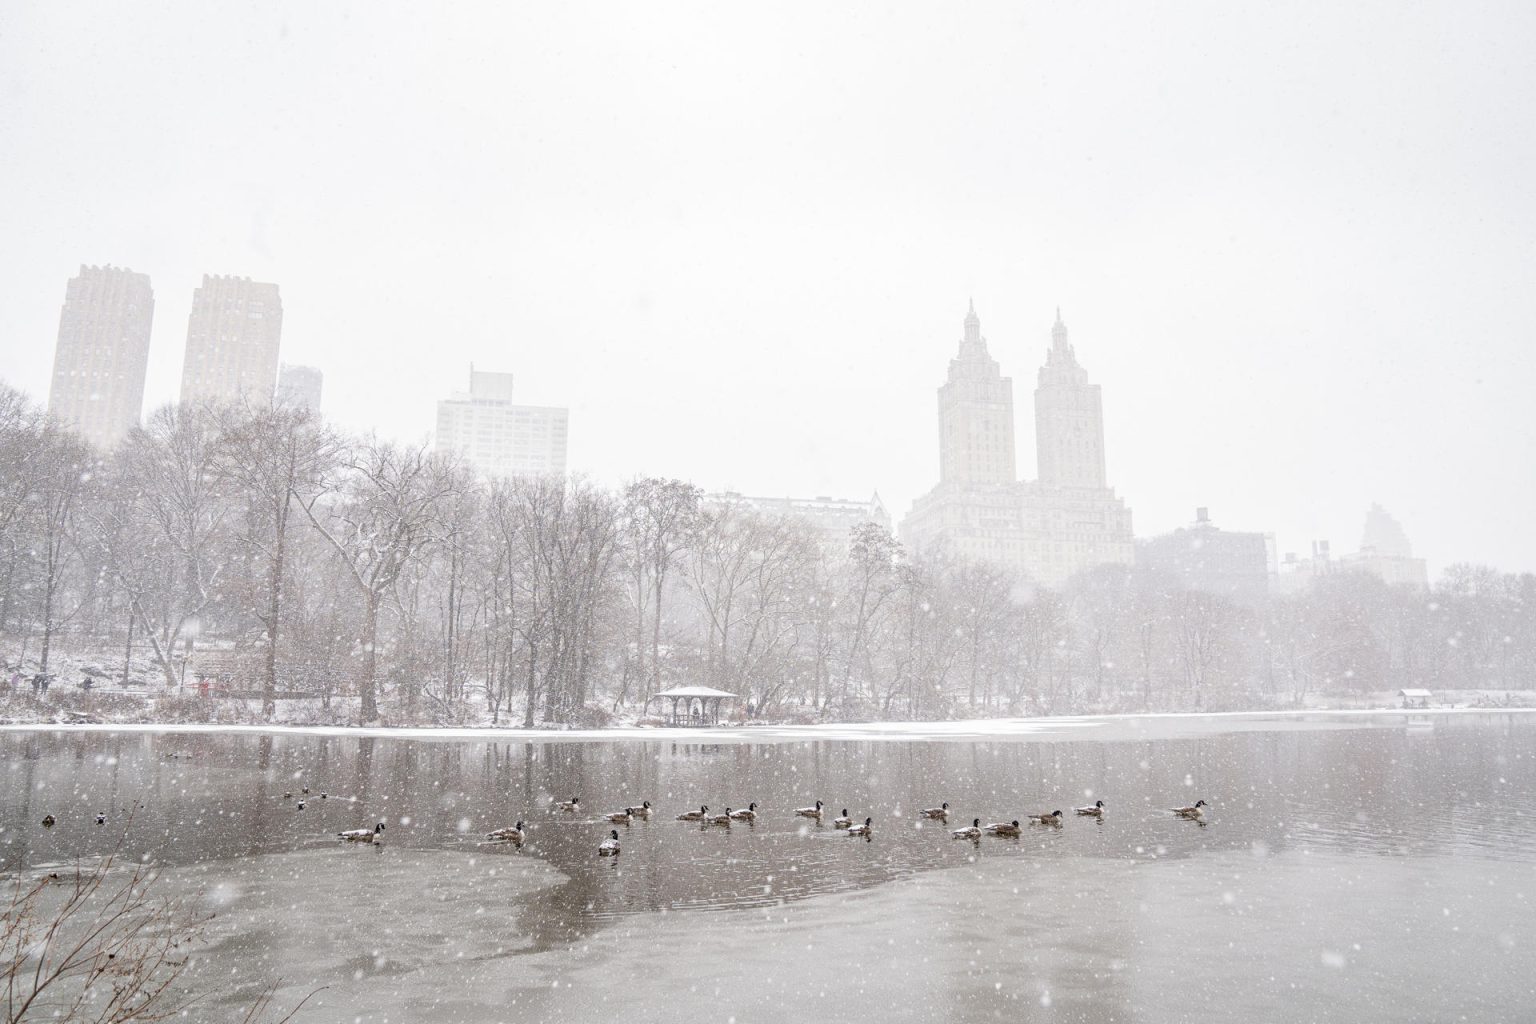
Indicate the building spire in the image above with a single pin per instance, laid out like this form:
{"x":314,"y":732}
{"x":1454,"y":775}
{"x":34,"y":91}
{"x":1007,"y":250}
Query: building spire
{"x":972,"y":325}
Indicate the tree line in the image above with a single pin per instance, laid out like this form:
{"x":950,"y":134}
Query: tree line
{"x":392,"y":582}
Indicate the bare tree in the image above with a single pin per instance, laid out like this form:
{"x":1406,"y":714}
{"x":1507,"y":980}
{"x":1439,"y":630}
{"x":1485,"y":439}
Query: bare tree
{"x":271,"y":456}
{"x":661,"y":517}
{"x":165,"y":520}
{"x":387,"y":509}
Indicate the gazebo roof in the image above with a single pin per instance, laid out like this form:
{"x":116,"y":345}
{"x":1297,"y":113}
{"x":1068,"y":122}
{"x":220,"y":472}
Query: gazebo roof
{"x":693,"y":691}
{"x":1414,"y":693}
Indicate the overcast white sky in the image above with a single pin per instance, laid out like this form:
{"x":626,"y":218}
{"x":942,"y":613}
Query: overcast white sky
{"x":1296,"y":243}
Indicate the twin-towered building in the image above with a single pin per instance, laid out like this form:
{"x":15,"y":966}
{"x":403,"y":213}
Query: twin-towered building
{"x":233,"y":337}
{"x":1045,"y":530}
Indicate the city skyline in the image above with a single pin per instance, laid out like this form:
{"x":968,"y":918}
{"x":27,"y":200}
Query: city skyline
{"x":1282,"y":342}
{"x":1066,"y":403}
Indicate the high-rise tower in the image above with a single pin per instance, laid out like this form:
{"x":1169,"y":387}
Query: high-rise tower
{"x":102,"y":353}
{"x":1069,"y":419}
{"x":976,"y":415}
{"x":232,"y":342}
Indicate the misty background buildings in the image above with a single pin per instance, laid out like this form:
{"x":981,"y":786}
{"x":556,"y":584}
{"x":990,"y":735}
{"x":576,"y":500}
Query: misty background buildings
{"x":1065,"y":522}
{"x":238,"y":538}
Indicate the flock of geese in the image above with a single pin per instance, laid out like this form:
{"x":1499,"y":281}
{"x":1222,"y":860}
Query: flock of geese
{"x":611,"y":846}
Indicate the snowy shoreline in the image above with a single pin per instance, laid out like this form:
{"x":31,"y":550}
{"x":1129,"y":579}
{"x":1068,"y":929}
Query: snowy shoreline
{"x":1060,"y":727}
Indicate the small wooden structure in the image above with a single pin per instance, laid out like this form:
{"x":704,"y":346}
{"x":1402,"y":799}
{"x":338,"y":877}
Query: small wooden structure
{"x":693,"y":705}
{"x":1415,"y":698}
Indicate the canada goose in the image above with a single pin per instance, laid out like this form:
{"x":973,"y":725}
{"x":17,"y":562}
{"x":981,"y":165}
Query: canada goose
{"x":101,"y":818}
{"x":697,"y":815}
{"x":621,"y":816}
{"x":610,"y":846}
{"x":322,"y":796}
{"x":287,"y":796}
{"x":643,"y":811}
{"x":1097,"y":810}
{"x":47,"y":821}
{"x":844,"y":821}
{"x":570,"y":806}
{"x":862,"y":830}
{"x":1004,"y":828}
{"x":721,"y":819}
{"x":749,"y":814}
{"x":305,"y":791}
{"x":1196,"y":810}
{"x":941,"y":812}
{"x":362,"y":835}
{"x":810,"y":812}
{"x":300,"y":805}
{"x":1052,"y":818}
{"x":513,"y":835}
{"x":974,"y":832}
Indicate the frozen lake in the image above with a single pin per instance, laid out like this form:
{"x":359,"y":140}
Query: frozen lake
{"x":1353,"y":868}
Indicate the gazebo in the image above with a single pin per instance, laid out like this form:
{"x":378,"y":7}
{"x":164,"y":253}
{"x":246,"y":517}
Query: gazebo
{"x":691,"y":704}
{"x":1415,"y":698}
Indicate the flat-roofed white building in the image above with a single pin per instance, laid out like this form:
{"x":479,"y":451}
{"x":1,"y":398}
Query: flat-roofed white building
{"x":498,"y":437}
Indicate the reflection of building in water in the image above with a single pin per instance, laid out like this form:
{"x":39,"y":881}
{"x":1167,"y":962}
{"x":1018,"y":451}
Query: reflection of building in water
{"x":1047,"y":529}
{"x":831,"y":518}
{"x":1204,"y":557}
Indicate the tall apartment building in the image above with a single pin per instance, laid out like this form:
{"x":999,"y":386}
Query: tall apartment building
{"x":499,"y":438}
{"x":976,"y":415}
{"x":299,"y":387}
{"x":1044,"y":530}
{"x":102,"y":353}
{"x":233,"y":336}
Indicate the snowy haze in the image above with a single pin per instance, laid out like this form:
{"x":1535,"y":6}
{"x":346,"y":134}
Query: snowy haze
{"x":1293,"y":244}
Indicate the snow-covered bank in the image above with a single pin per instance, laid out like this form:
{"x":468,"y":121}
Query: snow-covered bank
{"x":1143,"y":726}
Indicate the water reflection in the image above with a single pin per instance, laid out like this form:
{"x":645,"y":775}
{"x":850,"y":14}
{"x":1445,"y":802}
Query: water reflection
{"x":1468,"y":786}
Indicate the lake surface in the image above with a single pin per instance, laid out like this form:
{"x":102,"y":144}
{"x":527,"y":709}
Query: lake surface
{"x":1351,"y":868}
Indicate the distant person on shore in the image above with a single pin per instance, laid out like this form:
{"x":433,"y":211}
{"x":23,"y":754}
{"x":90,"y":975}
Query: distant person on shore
{"x":87,"y":683}
{"x":40,"y":684}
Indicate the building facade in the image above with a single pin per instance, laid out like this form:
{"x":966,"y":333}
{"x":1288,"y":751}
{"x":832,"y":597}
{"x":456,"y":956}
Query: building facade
{"x":1386,"y":552}
{"x":233,"y":336}
{"x":499,"y":438}
{"x":1045,"y":530}
{"x":832,"y":519}
{"x":102,"y":354}
{"x":299,"y":387}
{"x":1204,"y":557}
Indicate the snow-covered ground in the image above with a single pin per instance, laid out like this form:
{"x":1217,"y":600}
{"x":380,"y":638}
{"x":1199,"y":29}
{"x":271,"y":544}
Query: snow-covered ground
{"x":1147,"y":726}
